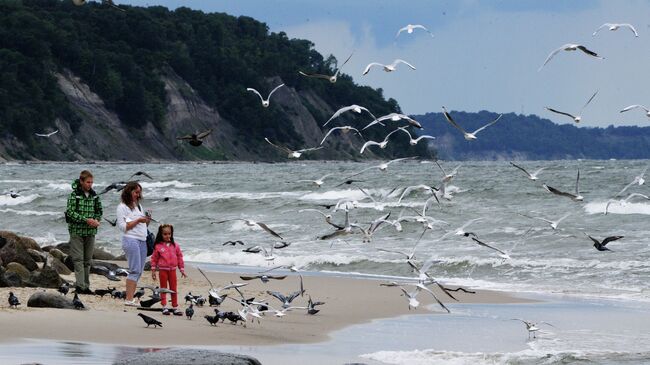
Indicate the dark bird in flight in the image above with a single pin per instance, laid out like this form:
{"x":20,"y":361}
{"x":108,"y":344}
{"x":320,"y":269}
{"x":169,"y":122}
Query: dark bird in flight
{"x":118,"y":186}
{"x":233,"y":243}
{"x":195,"y":139}
{"x":112,"y":223}
{"x":600,"y":246}
{"x":13,"y":300}
{"x":264,"y":278}
{"x":150,"y":321}
{"x":140,"y":173}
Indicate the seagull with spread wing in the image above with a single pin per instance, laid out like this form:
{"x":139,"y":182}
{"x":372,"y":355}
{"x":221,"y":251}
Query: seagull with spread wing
{"x":647,"y":111}
{"x":47,"y":135}
{"x":251,"y":223}
{"x":616,"y":26}
{"x":532,"y":176}
{"x":395,"y":117}
{"x":265,"y":102}
{"x":409,"y":28}
{"x":344,"y":129}
{"x":570,"y":47}
{"x":387,"y":68}
{"x":575,"y":197}
{"x":195,"y":139}
{"x":466,"y":135}
{"x":291,"y":153}
{"x":354,"y":107}
{"x":576,"y":118}
{"x":332,"y":78}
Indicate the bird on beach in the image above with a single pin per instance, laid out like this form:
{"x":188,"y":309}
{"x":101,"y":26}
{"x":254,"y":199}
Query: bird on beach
{"x":265,"y":102}
{"x":531,"y":326}
{"x":332,"y":78}
{"x":263,"y":278}
{"x":409,"y":28}
{"x":616,"y":26}
{"x":47,"y":135}
{"x":532,"y":176}
{"x":575,"y":197}
{"x":64,"y":288}
{"x":150,"y":321}
{"x":13,"y":301}
{"x":600,"y":245}
{"x":213,"y":320}
{"x":292,"y":153}
{"x":195,"y":139}
{"x":251,"y":223}
{"x":576,"y":118}
{"x":570,"y":47}
{"x":189,"y":311}
{"x":77,"y":302}
{"x":466,"y":135}
{"x":627,"y":108}
{"x":387,"y":68}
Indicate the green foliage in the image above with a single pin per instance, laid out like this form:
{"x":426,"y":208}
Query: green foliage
{"x":122,"y":55}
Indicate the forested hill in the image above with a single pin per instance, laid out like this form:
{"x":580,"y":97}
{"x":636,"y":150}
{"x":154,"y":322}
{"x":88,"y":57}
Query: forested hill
{"x":532,"y":138}
{"x":122,"y":85}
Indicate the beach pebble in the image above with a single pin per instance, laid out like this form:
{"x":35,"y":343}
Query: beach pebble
{"x":43,"y":299}
{"x":187,"y":356}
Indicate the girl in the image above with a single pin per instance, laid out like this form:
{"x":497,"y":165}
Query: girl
{"x":165,"y":258}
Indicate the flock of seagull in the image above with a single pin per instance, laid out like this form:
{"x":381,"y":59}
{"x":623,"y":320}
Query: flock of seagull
{"x":422,"y":281}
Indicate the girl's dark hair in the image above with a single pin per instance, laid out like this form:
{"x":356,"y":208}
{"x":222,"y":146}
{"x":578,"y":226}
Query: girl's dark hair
{"x":128,"y":189}
{"x":159,"y":235}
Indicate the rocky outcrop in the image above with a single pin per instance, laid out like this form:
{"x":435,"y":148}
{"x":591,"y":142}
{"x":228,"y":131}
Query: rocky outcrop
{"x":187,"y":357}
{"x":46,"y":277}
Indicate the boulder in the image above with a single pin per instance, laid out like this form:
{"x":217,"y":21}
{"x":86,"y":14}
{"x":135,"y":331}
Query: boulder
{"x":64,"y":247}
{"x":38,"y":256}
{"x":187,"y":356}
{"x":11,"y":279}
{"x":58,"y":254}
{"x":13,"y":252}
{"x":18,"y":269}
{"x":121,"y":257}
{"x":100,"y":254}
{"x":47,"y":277}
{"x":44,"y":299}
{"x":59,"y":266}
{"x":24,"y":242}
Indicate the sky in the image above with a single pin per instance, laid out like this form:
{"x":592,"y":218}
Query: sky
{"x":484,"y":55}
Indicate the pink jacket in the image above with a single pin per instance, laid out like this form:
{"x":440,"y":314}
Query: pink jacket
{"x":167,"y":258}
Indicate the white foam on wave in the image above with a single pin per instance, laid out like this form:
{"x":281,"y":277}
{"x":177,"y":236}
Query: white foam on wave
{"x":29,"y":212}
{"x":335,"y":195}
{"x":48,"y":239}
{"x":430,"y":357}
{"x":164,"y":184}
{"x":250,"y":259}
{"x":202,"y":195}
{"x":60,"y":186}
{"x":616,"y":208}
{"x":7,"y":200}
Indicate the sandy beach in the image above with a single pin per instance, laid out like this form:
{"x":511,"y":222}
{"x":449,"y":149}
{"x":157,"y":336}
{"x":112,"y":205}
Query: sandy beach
{"x":348,"y":301}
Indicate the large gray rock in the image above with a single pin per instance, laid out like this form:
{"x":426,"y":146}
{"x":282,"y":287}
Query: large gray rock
{"x":100,"y":254}
{"x":13,"y":252}
{"x":58,"y":254}
{"x":64,"y":247}
{"x":47,"y":277}
{"x":187,"y":357}
{"x":24,"y":242}
{"x":43,"y":299}
{"x":10,"y":279}
{"x":38,"y":256}
{"x":18,"y":269}
{"x":57,"y":265}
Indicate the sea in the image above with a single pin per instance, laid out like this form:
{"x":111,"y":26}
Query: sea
{"x":508,"y":210}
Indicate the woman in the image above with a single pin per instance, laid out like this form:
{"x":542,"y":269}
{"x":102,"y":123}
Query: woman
{"x":133,"y":221}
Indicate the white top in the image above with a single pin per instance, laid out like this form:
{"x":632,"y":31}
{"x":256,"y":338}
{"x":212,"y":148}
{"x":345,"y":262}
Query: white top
{"x":126,"y":215}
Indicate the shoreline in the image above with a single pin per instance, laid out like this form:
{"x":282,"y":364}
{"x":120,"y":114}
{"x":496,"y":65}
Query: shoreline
{"x":107,"y":321}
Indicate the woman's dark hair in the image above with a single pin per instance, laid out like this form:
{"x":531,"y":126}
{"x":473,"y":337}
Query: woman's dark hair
{"x":159,"y":235}
{"x":128,"y":189}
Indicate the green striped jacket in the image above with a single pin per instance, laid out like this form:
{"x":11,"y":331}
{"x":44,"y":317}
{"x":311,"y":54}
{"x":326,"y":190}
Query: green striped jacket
{"x":81,"y":207}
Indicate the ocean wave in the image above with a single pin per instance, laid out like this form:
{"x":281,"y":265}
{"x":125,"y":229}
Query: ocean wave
{"x":221,"y":195}
{"x":46,"y":240}
{"x":59,"y":186}
{"x":6,"y":200}
{"x":616,"y":208}
{"x":250,"y":259}
{"x":29,"y":212}
{"x":335,"y":195}
{"x":164,"y":184}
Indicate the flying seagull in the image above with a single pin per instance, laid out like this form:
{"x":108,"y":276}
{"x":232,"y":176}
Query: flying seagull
{"x":576,"y":118}
{"x":647,"y":111}
{"x":332,"y":78}
{"x":616,"y":26}
{"x":637,"y":180}
{"x":600,"y":245}
{"x":488,"y":246}
{"x":344,"y":129}
{"x":317,"y":182}
{"x":553,"y":224}
{"x":291,"y":153}
{"x":387,"y":68}
{"x":382,"y":166}
{"x":395,"y":117}
{"x":576,"y":197}
{"x":624,"y":201}
{"x":468,"y":136}
{"x":570,"y":47}
{"x":409,"y":28}
{"x":251,"y":223}
{"x":354,"y":107}
{"x":532,"y":176}
{"x":415,"y":141}
{"x":265,"y":102}
{"x":47,"y":135}
{"x":381,"y":144}
{"x":530,"y":326}
{"x":194,"y":138}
